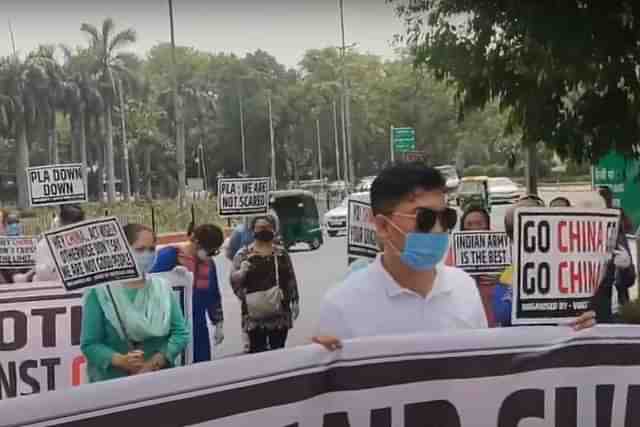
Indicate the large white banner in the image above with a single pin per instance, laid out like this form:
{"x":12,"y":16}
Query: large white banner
{"x":40,"y":329}
{"x":559,"y":262}
{"x":56,"y":185}
{"x":548,"y":376}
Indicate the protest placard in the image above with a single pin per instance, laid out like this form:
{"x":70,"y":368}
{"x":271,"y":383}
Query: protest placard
{"x":56,"y":185}
{"x":502,"y":377}
{"x":91,"y":253}
{"x":41,"y":326}
{"x":559,"y":261}
{"x":481,"y":252}
{"x":243,"y":196}
{"x":361,"y":232}
{"x":17,"y":252}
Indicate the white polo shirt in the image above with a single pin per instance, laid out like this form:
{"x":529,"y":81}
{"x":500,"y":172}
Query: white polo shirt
{"x":371,"y":303}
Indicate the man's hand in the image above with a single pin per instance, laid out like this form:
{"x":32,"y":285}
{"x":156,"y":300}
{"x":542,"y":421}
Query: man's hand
{"x":328,"y":342}
{"x":585,"y":321}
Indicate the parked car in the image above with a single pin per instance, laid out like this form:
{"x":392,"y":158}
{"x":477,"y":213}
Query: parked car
{"x":503,"y":191}
{"x":473,"y":189}
{"x":336,"y":219}
{"x":365,"y":184}
{"x":451,"y":175}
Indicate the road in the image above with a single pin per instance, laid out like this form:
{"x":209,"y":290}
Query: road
{"x":317,"y":272}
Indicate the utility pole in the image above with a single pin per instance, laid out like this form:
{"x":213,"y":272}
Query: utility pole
{"x":335,"y":138}
{"x":125,"y":146}
{"x":531,"y":179}
{"x":321,"y":175}
{"x":242,"y":140}
{"x":274,"y":183}
{"x":177,"y":110}
{"x":345,"y":137}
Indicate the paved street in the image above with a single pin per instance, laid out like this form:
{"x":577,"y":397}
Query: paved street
{"x":317,"y":272}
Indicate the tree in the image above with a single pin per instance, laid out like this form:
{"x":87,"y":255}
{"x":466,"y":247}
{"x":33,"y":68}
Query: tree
{"x":565,"y":73}
{"x":109,"y":66}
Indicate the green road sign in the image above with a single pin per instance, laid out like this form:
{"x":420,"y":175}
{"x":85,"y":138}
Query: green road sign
{"x":404,"y":139}
{"x":621,"y":175}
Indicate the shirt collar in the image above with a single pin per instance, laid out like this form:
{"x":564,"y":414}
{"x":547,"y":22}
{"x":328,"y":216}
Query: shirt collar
{"x":393,"y":289}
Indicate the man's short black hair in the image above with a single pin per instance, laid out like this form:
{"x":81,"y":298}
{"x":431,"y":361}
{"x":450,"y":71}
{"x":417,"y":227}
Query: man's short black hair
{"x":395,"y":183}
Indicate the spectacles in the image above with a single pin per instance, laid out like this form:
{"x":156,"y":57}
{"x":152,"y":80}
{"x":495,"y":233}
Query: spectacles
{"x":426,"y":218}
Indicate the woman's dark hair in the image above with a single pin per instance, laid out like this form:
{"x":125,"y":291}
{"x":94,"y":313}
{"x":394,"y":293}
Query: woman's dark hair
{"x":397,"y":182}
{"x":270,"y":219}
{"x":70,"y":214}
{"x":471,"y":209}
{"x":208,"y":236}
{"x":132,"y":231}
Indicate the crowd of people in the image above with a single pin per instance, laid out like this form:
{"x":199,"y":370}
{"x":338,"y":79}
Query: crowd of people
{"x":410,"y":287}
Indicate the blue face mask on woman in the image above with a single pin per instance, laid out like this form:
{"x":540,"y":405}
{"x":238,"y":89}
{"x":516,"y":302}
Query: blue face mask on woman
{"x":145,"y":260}
{"x":422,"y":251}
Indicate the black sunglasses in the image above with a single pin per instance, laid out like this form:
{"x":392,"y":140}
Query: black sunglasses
{"x":426,"y":218}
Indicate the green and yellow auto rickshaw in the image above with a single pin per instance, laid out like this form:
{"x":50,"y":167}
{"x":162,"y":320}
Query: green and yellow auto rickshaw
{"x":473,"y":190}
{"x":299,"y":218}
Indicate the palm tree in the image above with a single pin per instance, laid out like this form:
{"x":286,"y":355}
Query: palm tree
{"x":49,"y":93}
{"x":18,"y":112}
{"x":109,"y":66}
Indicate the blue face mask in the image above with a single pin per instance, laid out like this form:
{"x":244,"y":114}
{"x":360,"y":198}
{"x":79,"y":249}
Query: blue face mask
{"x":13,"y":229}
{"x":145,"y":260}
{"x":423,"y":251}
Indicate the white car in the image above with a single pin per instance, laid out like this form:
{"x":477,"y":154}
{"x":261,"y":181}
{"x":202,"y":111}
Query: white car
{"x":336,"y":219}
{"x":503,"y":191}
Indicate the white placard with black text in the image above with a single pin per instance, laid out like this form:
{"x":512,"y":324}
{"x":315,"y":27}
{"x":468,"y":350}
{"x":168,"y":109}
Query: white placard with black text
{"x":361,"y":232}
{"x":481,"y":252}
{"x":17,"y":252}
{"x":559,"y":261}
{"x":92,"y":253}
{"x":56,"y":185}
{"x":243,"y":196}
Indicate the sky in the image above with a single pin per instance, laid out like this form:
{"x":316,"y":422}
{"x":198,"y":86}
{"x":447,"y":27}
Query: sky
{"x":283,"y":28}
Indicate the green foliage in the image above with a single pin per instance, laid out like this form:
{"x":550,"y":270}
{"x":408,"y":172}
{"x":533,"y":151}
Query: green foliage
{"x":566,"y":72}
{"x":475,"y":171}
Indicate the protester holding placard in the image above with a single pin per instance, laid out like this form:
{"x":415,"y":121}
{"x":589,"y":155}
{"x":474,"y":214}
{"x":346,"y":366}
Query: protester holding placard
{"x":503,"y":298}
{"x":476,"y":218}
{"x":406,"y":289}
{"x":45,"y":270}
{"x":197,"y":257}
{"x":264,"y":280}
{"x":135,"y":327}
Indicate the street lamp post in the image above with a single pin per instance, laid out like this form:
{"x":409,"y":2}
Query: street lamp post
{"x":274,"y":183}
{"x":349,"y":175}
{"x":179,"y":134}
{"x":335,"y":138}
{"x":242,"y":140}
{"x":320,"y":172}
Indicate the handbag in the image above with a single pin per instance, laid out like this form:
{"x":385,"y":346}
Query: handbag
{"x":267,"y":303}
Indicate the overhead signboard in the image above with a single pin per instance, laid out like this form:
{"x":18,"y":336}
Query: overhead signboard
{"x":56,"y":185}
{"x":560,"y":260}
{"x":92,"y":253}
{"x":404,"y":139}
{"x":243,"y":196}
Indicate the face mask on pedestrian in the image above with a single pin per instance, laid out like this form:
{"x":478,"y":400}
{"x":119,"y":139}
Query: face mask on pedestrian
{"x":424,"y":249}
{"x":264,"y":235}
{"x":13,"y":229}
{"x":145,"y":258}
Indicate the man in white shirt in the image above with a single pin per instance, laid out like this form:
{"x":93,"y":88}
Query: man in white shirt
{"x":406,"y":289}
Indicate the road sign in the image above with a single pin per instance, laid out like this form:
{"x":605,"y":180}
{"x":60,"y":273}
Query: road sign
{"x":414,"y":156}
{"x":404,"y":139}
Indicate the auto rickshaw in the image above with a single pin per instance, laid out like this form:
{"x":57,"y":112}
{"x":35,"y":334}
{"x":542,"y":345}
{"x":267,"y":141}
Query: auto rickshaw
{"x":299,"y":218}
{"x":474,"y":190}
